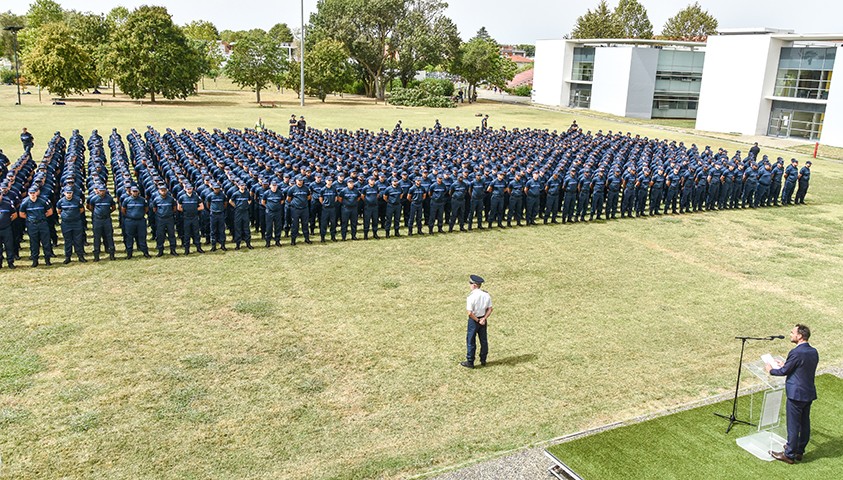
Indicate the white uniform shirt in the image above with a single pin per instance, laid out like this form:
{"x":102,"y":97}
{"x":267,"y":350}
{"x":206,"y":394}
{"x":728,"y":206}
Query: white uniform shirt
{"x":478,"y":302}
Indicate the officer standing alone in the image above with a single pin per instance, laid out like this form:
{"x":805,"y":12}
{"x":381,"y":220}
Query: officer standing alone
{"x":479,"y":307}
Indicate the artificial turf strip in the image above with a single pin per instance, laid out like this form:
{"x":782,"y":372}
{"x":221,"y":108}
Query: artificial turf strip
{"x":692,"y":445}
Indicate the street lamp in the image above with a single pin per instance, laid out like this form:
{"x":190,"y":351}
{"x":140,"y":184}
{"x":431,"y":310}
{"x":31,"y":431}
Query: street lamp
{"x":301,"y":56}
{"x":14,"y":29}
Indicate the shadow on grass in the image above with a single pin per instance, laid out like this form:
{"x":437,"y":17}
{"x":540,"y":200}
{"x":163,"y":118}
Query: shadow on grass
{"x":512,"y":360}
{"x":828,"y":447}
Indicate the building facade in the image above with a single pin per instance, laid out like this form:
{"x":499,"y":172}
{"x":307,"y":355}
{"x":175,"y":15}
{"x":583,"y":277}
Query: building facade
{"x":630,"y":78}
{"x":749,"y":81}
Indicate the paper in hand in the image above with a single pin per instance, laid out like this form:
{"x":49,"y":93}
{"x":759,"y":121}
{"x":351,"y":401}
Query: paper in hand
{"x":769,"y":360}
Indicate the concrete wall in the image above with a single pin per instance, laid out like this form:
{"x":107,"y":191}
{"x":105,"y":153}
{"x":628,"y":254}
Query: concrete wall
{"x":549,"y":72}
{"x":642,"y":82}
{"x":739,"y":71}
{"x":833,"y":122}
{"x":610,"y":90}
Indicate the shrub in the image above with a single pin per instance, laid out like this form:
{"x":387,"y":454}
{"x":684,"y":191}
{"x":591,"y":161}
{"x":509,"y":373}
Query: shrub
{"x":423,"y":96}
{"x":446,"y":87}
{"x":7,"y":76}
{"x":522,"y":90}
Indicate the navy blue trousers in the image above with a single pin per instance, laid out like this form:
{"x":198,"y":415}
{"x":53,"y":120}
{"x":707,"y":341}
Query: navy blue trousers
{"x":798,"y":427}
{"x":473,"y":332}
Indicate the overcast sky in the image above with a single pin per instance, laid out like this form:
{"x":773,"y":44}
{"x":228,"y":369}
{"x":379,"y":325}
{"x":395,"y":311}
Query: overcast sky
{"x":508,"y":21}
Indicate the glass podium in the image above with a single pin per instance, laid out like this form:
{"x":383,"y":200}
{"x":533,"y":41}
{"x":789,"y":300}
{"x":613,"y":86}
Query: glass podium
{"x":772,"y":432}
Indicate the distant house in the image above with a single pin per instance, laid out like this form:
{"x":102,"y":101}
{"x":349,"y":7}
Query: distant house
{"x":520,"y":60}
{"x":512,"y":50}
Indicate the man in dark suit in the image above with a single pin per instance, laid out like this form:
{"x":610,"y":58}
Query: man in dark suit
{"x":799,"y":368}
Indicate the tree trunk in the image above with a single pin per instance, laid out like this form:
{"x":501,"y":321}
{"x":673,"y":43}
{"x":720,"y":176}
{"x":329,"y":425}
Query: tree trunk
{"x":379,"y":88}
{"x":113,"y":88}
{"x":258,"y":93}
{"x":152,"y":94}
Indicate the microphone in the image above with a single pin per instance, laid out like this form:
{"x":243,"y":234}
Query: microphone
{"x":773,"y":337}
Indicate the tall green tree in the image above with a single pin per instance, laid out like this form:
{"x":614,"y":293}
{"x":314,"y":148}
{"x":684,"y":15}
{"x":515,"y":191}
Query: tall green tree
{"x":42,"y":12}
{"x":92,"y":32}
{"x":150,"y":55}
{"x":633,"y":19}
{"x":369,"y":30}
{"x":57,"y":62}
{"x":117,"y":16}
{"x":9,"y":19}
{"x":600,"y":23}
{"x":258,"y":61}
{"x":427,"y":38}
{"x":479,"y":61}
{"x":326,"y":69}
{"x":692,"y":23}
{"x":483,"y":34}
{"x":205,"y":37}
{"x":281,"y":33}
{"x":529,"y":49}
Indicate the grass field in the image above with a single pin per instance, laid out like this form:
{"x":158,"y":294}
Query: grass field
{"x":339,"y":360}
{"x":691,"y":445}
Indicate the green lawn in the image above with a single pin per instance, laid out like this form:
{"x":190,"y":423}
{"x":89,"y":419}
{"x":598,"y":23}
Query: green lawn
{"x":691,"y":445}
{"x":339,"y":360}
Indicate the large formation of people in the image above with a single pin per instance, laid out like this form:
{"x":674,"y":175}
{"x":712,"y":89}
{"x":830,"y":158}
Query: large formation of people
{"x":208,"y":188}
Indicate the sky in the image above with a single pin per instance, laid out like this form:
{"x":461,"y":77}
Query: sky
{"x":508,"y":21}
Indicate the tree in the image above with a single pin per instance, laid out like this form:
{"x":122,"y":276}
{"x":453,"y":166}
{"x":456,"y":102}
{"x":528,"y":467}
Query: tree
{"x":92,"y":32}
{"x":427,"y":38}
{"x":204,"y":36}
{"x":632,"y":18}
{"x":257,"y":60}
{"x":692,"y":23}
{"x":600,"y":23}
{"x":326,"y":70}
{"x":369,"y":30}
{"x":529,"y":49}
{"x":57,"y":62}
{"x":479,"y":61}
{"x":483,"y":34}
{"x":8,"y":19}
{"x":42,"y":12}
{"x":281,"y":33}
{"x":117,"y":16}
{"x":149,"y":55}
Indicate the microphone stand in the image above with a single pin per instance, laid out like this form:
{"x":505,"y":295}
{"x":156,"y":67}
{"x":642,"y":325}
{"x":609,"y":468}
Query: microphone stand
{"x":733,"y":418}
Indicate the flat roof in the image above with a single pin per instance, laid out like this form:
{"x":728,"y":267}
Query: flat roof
{"x":634,"y":41}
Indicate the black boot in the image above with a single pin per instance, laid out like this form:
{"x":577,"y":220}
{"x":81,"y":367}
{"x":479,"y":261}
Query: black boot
{"x":35,"y":263}
{"x":173,"y":252}
{"x":66,"y":260}
{"x":97,"y":256}
{"x":82,"y":259}
{"x":160,"y":253}
{"x":249,"y":245}
{"x":111,"y":255}
{"x":199,"y":249}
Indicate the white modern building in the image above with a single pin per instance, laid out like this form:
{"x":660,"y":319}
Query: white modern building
{"x":756,"y":81}
{"x":773,"y":82}
{"x":625,"y":77}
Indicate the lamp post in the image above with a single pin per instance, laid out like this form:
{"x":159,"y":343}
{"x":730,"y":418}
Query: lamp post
{"x":14,"y":29}
{"x":301,"y":56}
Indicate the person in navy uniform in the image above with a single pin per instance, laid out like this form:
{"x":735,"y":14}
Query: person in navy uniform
{"x":328,"y":199}
{"x":7,"y":239}
{"x":613,"y":186}
{"x":370,"y":193}
{"x":437,"y":193}
{"x":416,"y":194}
{"x":533,"y":188}
{"x":552,"y":189}
{"x":349,"y":197}
{"x":598,"y":193}
{"x":516,"y":200}
{"x":673,"y":180}
{"x":629,"y":195}
{"x":293,"y":124}
{"x":584,"y":191}
{"x":642,"y":186}
{"x":35,"y":211}
{"x":190,"y":206}
{"x":102,"y":204}
{"x":497,"y":188}
{"x":27,"y":140}
{"x":458,"y":192}
{"x":392,"y":196}
{"x":479,"y":308}
{"x":571,"y":186}
{"x":656,"y":190}
{"x":315,"y":206}
{"x":750,"y":178}
{"x":776,"y":183}
{"x":240,"y":201}
{"x":685,"y":200}
{"x":800,"y":369}
{"x":765,"y":178}
{"x":803,"y":179}
{"x":70,"y":208}
{"x":273,"y":204}
{"x":298,"y":197}
{"x":134,"y":211}
{"x":791,"y":174}
{"x":216,"y":206}
{"x":477,"y":194}
{"x":164,"y":206}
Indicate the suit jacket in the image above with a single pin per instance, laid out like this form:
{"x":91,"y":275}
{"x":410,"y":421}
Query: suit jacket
{"x":800,"y":368}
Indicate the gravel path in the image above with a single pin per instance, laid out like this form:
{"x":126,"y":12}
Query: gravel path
{"x":531,"y":463}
